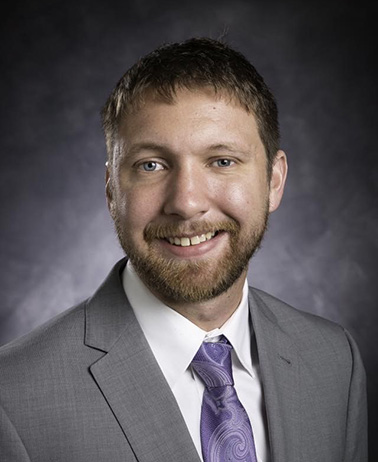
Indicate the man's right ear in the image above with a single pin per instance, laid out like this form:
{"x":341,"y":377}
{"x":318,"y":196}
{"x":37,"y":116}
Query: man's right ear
{"x":109,"y":190}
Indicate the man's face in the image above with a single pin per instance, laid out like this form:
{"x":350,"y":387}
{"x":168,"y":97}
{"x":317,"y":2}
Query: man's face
{"x":189,"y":194}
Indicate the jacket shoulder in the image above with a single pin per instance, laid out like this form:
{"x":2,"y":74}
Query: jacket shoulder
{"x":287,"y":314}
{"x":58,"y":336}
{"x":311,"y":333}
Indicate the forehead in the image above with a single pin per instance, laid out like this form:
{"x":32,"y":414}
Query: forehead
{"x":193,"y":115}
{"x":171,"y":94}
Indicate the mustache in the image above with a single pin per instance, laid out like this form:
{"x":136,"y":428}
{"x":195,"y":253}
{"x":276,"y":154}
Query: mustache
{"x":164,"y":231}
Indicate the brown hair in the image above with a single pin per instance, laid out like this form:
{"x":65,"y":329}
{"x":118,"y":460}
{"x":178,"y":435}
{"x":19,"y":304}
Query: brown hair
{"x":195,"y":63}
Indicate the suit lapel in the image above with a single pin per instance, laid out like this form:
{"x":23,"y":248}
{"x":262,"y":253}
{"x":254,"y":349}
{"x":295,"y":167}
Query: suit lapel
{"x":279,"y":368}
{"x":131,"y":380}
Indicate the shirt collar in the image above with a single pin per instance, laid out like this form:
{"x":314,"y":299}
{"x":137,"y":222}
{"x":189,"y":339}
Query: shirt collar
{"x":174,"y":339}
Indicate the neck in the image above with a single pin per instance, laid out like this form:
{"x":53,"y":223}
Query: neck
{"x":213,"y":313}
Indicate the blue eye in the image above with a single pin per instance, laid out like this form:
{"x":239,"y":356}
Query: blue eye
{"x":151,"y":166}
{"x":224,"y":162}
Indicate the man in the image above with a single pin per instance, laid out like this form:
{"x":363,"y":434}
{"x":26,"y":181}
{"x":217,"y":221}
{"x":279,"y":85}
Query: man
{"x":174,"y":358}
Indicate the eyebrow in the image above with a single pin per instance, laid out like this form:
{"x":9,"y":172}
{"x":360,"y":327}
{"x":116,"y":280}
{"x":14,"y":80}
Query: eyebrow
{"x":148,"y":146}
{"x":230,"y":147}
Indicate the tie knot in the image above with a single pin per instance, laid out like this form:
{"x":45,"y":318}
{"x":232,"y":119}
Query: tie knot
{"x":212,"y":363}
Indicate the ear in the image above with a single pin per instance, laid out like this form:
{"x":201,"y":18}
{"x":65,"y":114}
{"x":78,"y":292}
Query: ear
{"x":277,"y":180}
{"x":109,"y":189}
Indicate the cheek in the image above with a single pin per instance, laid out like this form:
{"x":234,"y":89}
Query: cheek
{"x":237,"y":195}
{"x":234,"y":201}
{"x":137,"y":207}
{"x":244,"y":201}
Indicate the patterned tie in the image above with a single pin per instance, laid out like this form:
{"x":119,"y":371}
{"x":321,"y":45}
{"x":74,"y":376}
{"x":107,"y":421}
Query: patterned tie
{"x":226,"y":433}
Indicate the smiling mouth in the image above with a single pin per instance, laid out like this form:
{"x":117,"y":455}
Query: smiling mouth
{"x":193,"y":240}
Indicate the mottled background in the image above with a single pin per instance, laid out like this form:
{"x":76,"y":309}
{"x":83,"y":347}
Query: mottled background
{"x":59,"y":61}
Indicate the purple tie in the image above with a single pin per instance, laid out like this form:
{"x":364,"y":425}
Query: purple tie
{"x":226,"y":433}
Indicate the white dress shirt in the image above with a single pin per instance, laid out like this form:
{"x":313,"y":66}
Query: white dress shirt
{"x":174,"y":341}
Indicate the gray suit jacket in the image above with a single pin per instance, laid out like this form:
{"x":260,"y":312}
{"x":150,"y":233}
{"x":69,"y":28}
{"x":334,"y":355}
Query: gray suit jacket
{"x":86,"y":387}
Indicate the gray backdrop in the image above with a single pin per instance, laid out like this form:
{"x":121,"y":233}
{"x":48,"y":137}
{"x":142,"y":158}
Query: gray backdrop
{"x":60,"y":60}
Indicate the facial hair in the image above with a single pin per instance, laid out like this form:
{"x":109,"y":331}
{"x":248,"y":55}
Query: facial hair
{"x":193,"y":281}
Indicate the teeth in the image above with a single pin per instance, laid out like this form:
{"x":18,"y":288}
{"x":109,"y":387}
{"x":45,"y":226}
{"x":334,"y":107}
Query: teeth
{"x":195,"y":240}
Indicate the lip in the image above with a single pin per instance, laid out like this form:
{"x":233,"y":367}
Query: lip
{"x":193,"y":251}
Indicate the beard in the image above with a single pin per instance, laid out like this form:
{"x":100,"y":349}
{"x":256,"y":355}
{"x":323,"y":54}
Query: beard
{"x":192,"y":281}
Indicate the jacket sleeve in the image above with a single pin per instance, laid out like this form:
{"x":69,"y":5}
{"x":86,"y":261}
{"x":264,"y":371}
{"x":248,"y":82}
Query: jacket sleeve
{"x":356,"y":448}
{"x":11,"y":446}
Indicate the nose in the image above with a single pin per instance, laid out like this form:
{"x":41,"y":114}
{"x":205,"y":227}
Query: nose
{"x":187,"y":193}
